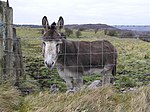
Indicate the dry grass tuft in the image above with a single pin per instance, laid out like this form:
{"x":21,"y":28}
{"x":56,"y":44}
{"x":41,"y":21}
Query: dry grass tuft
{"x":9,"y":98}
{"x":104,"y":99}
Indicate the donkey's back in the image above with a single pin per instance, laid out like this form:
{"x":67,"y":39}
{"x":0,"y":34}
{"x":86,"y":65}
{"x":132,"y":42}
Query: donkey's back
{"x":96,"y":55}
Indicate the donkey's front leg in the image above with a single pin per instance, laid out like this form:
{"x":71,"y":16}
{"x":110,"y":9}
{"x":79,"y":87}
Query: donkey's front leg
{"x":69,"y":84}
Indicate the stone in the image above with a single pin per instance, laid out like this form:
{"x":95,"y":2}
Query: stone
{"x":95,"y":84}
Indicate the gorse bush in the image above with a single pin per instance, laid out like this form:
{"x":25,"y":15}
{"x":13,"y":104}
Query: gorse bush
{"x":111,"y":32}
{"x":36,"y":69}
{"x":68,"y":31}
{"x":78,"y":33}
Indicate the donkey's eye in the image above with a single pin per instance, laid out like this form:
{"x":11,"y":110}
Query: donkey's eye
{"x":44,"y":43}
{"x":57,"y":45}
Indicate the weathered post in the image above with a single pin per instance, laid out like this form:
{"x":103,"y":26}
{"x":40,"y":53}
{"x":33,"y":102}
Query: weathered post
{"x":6,"y":19}
{"x":18,"y":64}
{"x":2,"y":35}
{"x":10,"y":64}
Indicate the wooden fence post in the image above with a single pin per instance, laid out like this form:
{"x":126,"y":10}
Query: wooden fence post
{"x":11,"y":67}
{"x":18,"y":64}
{"x":1,"y":59}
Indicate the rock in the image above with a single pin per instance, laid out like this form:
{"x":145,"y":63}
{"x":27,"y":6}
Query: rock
{"x":132,"y":89}
{"x":74,"y":90}
{"x":54,"y":88}
{"x":95,"y":84}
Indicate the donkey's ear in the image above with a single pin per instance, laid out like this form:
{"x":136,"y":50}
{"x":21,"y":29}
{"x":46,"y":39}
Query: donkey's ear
{"x":60,"y":23}
{"x":45,"y":23}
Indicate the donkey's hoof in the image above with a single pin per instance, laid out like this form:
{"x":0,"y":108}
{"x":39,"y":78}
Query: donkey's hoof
{"x":74,"y":90}
{"x":70,"y":91}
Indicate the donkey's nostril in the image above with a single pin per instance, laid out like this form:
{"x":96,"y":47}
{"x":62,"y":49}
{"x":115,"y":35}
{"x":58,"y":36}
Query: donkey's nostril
{"x":45,"y":62}
{"x":52,"y":63}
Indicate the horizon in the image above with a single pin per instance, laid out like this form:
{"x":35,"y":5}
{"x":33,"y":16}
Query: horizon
{"x":87,"y":24}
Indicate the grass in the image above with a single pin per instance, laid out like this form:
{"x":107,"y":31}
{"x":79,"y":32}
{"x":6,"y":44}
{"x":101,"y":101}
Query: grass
{"x":10,"y":99}
{"x":133,"y":54}
{"x":134,"y":58}
{"x":31,"y":40}
{"x":105,"y":99}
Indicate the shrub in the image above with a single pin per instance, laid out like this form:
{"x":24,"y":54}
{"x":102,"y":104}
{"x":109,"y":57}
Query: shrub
{"x":81,"y":29}
{"x":96,"y":30}
{"x":110,"y":32}
{"x":125,"y":81}
{"x":68,"y":31}
{"x":78,"y":33}
{"x":127,"y":34}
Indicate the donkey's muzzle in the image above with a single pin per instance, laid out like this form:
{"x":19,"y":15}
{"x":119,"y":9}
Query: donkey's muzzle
{"x":49,"y":65}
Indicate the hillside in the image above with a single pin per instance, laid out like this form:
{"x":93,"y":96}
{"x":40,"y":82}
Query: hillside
{"x":91,"y":26}
{"x":77,"y":26}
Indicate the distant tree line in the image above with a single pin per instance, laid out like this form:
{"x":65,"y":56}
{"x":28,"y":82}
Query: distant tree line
{"x":145,"y":36}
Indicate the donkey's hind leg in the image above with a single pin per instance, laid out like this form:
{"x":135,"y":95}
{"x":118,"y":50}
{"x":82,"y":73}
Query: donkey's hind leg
{"x":107,"y":75}
{"x":78,"y":82}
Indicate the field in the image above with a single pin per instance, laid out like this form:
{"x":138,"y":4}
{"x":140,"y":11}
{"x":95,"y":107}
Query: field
{"x":133,"y":66}
{"x":133,"y":73}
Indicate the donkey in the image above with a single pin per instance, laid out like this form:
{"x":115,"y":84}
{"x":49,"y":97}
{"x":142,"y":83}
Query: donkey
{"x":75,"y":58}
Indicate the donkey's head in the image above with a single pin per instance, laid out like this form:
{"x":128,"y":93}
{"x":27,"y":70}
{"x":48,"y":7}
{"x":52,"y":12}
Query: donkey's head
{"x":51,"y":41}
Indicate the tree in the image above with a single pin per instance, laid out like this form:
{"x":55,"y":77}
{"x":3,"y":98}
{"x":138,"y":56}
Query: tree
{"x":110,"y":32}
{"x":96,"y":30}
{"x":68,"y":32}
{"x":78,"y":33}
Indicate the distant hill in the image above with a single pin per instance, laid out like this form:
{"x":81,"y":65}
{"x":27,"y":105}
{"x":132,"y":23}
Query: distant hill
{"x":77,"y":26}
{"x":122,"y":31}
{"x":90,"y":26}
{"x":98,"y":26}
{"x":30,"y":26}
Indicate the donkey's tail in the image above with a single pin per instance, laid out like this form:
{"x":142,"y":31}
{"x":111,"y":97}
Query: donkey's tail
{"x":114,"y":71}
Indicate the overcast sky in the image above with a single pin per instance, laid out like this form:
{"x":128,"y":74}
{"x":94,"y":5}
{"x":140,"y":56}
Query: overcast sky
{"x":112,"y":12}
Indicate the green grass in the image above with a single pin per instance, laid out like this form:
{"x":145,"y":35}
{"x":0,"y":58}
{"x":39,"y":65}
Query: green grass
{"x":31,"y":39}
{"x":133,"y":59}
{"x":133,"y":56}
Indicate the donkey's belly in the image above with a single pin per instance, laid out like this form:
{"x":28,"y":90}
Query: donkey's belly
{"x":93,"y":71}
{"x":65,"y":73}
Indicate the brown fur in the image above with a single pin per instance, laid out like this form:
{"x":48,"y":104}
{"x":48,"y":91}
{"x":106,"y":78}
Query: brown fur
{"x":80,"y":56}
